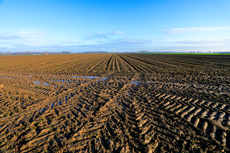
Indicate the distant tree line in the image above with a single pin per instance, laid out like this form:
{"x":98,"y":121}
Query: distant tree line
{"x":95,"y":52}
{"x":34,"y":53}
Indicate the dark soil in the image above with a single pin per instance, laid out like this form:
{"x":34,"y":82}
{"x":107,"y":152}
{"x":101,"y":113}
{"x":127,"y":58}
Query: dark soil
{"x":179,"y":110}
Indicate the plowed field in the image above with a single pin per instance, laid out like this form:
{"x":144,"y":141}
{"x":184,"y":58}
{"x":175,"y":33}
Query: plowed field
{"x":114,"y":103}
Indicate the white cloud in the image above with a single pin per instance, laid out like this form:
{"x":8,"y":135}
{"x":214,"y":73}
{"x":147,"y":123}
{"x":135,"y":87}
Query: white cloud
{"x":111,"y":33}
{"x":116,"y":40}
{"x":201,"y":43}
{"x":10,"y":37}
{"x":103,"y":35}
{"x":31,"y":35}
{"x":24,"y":35}
{"x":183,"y":30}
{"x":119,"y":32}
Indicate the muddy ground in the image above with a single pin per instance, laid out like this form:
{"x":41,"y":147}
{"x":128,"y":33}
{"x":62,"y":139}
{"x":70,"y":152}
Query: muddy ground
{"x":111,"y":112}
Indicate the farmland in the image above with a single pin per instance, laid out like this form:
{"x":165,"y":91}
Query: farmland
{"x":115,"y":103}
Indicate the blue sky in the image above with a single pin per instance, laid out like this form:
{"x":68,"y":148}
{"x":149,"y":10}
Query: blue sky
{"x":114,"y":25}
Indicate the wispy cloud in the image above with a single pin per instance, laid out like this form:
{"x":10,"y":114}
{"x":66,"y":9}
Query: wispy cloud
{"x":125,"y":45}
{"x":23,"y":34}
{"x":219,"y":42}
{"x":111,"y":33}
{"x":103,"y":35}
{"x":31,"y":34}
{"x":110,"y":45}
{"x":133,"y":41}
{"x":35,"y":40}
{"x":10,"y":37}
{"x":183,"y":30}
